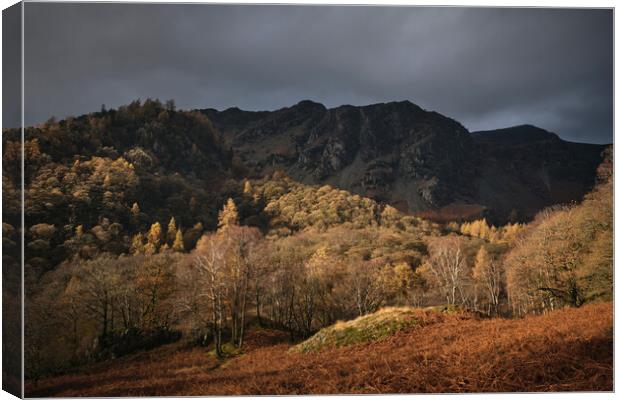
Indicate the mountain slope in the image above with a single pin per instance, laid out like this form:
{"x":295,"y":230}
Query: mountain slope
{"x":526,"y":168}
{"x":394,"y":152}
{"x":412,"y":158}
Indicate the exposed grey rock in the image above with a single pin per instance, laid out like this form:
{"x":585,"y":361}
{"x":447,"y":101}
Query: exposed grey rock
{"x":399,"y":153}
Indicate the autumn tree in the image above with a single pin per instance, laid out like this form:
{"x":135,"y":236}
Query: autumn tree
{"x":403,"y":284}
{"x":137,"y":244}
{"x":228,"y":216}
{"x":225,"y":269}
{"x":240,"y":243}
{"x":98,"y":285}
{"x":209,"y":260}
{"x":247,"y":189}
{"x":262,"y":268}
{"x":367,"y":285}
{"x":153,"y":285}
{"x":447,"y":264}
{"x":154,"y":239}
{"x":310,"y":289}
{"x":72,"y":310}
{"x":280,"y":291}
{"x":389,"y":215}
{"x":487,"y":272}
{"x":178,"y":245}
{"x":325,"y":274}
{"x":564,"y":256}
{"x":172,"y":230}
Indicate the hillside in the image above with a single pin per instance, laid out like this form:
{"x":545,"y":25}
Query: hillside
{"x":565,"y":350}
{"x":414,"y":159}
{"x":532,"y":167}
{"x":111,"y":174}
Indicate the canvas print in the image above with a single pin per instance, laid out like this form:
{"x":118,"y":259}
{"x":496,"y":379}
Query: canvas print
{"x":236,"y":199}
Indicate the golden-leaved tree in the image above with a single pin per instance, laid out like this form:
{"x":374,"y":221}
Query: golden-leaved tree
{"x":488,"y":274}
{"x":229,"y":215}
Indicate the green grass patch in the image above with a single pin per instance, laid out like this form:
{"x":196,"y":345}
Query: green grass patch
{"x":368,"y":328}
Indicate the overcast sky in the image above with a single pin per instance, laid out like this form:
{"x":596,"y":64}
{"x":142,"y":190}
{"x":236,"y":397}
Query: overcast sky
{"x":487,"y":68}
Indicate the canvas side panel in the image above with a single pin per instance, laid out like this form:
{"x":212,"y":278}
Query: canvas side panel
{"x":12,"y":233}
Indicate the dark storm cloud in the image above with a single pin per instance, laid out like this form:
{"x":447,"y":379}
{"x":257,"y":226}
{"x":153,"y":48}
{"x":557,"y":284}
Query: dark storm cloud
{"x":487,"y":68}
{"x":11,"y":65}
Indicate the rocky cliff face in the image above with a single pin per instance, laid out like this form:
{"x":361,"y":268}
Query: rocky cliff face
{"x":415,"y":159}
{"x":395,"y":152}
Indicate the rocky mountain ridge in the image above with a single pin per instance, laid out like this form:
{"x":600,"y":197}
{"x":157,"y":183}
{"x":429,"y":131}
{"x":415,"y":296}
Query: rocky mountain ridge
{"x":414,"y":159}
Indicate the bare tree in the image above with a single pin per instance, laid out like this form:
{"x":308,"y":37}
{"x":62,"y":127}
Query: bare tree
{"x":262,"y":268}
{"x":71,"y":309}
{"x":210,"y":262}
{"x":241,"y":242}
{"x":488,"y":272}
{"x":447,"y":264}
{"x":367,"y":286}
{"x":99,"y":287}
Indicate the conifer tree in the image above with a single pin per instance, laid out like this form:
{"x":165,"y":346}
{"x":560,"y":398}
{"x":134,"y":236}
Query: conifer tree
{"x":137,"y":244}
{"x":172,"y":230}
{"x":247,"y":189}
{"x":134,"y":216}
{"x":178,"y":242}
{"x":229,"y":215}
{"x":154,"y":237}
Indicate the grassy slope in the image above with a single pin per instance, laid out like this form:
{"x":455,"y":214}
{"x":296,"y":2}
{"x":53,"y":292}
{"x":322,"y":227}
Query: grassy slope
{"x":368,"y":328}
{"x":566,"y":350}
